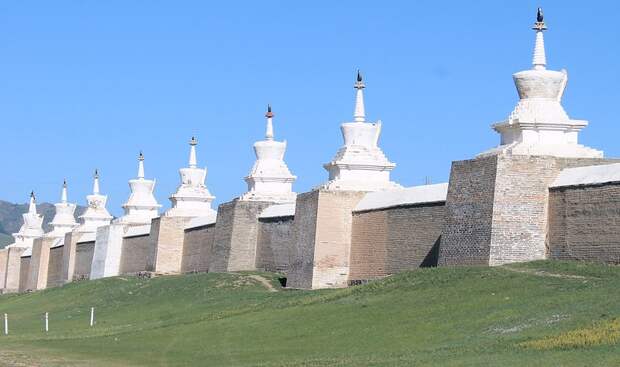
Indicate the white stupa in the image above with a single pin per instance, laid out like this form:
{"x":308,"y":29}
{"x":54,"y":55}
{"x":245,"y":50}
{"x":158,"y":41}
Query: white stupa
{"x":64,"y":219}
{"x":141,"y":206}
{"x":270,"y":178}
{"x":96,"y":215}
{"x":360,"y":165}
{"x":192,"y":198}
{"x":32,"y":227}
{"x":539,"y":125}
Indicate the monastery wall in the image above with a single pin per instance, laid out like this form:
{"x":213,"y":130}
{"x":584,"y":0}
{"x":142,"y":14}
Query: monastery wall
{"x":4,"y":255}
{"x":197,"y":245}
{"x":236,"y":235}
{"x":137,"y":254}
{"x":24,"y":271}
{"x":496,"y":210}
{"x":54,"y":268}
{"x":13,"y":269}
{"x":167,"y":237}
{"x":275,"y":240}
{"x":583,"y":223}
{"x":84,"y":252}
{"x":388,"y":241}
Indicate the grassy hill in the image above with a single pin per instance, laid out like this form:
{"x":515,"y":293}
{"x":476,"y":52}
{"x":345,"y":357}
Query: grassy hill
{"x":535,"y":314}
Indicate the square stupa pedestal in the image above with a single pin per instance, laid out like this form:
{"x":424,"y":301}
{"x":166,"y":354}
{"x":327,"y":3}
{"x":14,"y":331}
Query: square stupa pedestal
{"x":497,"y":208}
{"x":322,"y":227}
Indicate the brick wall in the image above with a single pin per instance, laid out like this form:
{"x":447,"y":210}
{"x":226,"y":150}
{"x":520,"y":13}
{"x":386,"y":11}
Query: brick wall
{"x":167,"y":236}
{"x":323,"y":226}
{"x":275,"y":239}
{"x":236,"y":234}
{"x":584,"y":223}
{"x":136,"y":254}
{"x":83,"y":260}
{"x":197,"y":248}
{"x":496,"y":209}
{"x":388,"y":241}
{"x":54,"y":268}
{"x":24,"y":270}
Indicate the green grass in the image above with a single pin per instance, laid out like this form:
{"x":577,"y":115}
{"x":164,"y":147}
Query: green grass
{"x":534,"y":314}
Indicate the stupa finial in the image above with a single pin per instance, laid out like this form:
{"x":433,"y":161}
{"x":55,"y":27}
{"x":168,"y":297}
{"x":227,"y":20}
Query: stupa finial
{"x":32,"y":208}
{"x":63,"y":196}
{"x":96,"y":182}
{"x":269,"y":115}
{"x":539,"y":60}
{"x":192,"y":152}
{"x":141,"y":165}
{"x":359,"y":115}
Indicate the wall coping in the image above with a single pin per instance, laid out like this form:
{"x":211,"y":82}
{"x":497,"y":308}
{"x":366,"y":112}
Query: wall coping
{"x":402,"y":197}
{"x":588,"y":175}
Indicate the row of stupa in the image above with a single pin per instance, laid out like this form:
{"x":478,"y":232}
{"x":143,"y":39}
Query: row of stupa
{"x":537,"y":127}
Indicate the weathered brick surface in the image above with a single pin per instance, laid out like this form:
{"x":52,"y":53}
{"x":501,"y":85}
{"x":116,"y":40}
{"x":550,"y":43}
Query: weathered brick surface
{"x":496,"y":209}
{"x":388,"y":241}
{"x":275,"y":240}
{"x":54,"y":268}
{"x":167,"y":236}
{"x":236,"y":234}
{"x":323,"y":226}
{"x":584,"y":223}
{"x":13,"y":269}
{"x":39,"y":263}
{"x":137,"y":254}
{"x":24,"y":270}
{"x":83,"y":260}
{"x":69,"y":255}
{"x":4,"y":254}
{"x":197,"y":247}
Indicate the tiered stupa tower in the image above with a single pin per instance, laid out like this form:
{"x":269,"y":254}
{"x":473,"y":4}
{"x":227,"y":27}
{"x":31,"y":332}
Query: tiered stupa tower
{"x":32,"y":227}
{"x":96,"y":214}
{"x":360,"y":165}
{"x":497,"y":204}
{"x":64,"y":219}
{"x":538,"y":125}
{"x":270,"y":178}
{"x":192,"y":198}
{"x":141,"y":206}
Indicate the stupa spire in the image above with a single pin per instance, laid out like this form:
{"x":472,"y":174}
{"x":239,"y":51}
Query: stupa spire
{"x":32,"y":208}
{"x":359,"y":115}
{"x":63,"y":196}
{"x":269,"y":115}
{"x":141,"y":165}
{"x":96,"y":182}
{"x":539,"y":61}
{"x":192,"y":152}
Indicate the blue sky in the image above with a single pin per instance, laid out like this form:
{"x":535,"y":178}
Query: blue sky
{"x":88,"y":84}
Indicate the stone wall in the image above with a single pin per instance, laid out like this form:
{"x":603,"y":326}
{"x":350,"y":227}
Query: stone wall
{"x":167,"y":236}
{"x":584,"y":223}
{"x":323,"y":226}
{"x":136,"y":255}
{"x":54,"y":268}
{"x":24,"y":271}
{"x":391,"y":240}
{"x":197,"y":246}
{"x":108,"y":248}
{"x":13,"y":269}
{"x":4,"y":256}
{"x":39,"y":263}
{"x":236,"y":234}
{"x":496,"y":209}
{"x":83,"y":260}
{"x":275,"y":240}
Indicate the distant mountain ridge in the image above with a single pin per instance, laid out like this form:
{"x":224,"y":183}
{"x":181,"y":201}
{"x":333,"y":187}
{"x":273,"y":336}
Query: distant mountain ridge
{"x":11,"y":218}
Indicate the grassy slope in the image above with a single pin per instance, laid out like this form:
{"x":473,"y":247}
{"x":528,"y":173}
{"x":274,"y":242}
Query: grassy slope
{"x":444,"y":316}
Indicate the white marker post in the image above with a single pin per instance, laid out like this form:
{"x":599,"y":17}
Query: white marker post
{"x":6,"y":324}
{"x":47,"y":328}
{"x":92,"y":316}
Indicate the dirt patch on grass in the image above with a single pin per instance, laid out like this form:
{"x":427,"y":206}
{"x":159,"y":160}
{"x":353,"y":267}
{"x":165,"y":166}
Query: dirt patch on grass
{"x":542,"y":273}
{"x":264,"y":282}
